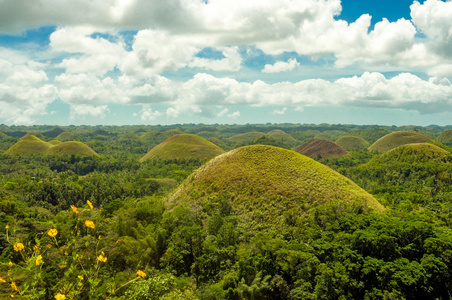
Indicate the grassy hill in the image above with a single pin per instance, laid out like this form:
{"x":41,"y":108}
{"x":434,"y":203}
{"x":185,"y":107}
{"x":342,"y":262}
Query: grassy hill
{"x":281,"y":136}
{"x":65,"y":136}
{"x":71,"y":147}
{"x":246,"y":137}
{"x":184,"y":146}
{"x":398,"y":138}
{"x":265,"y":184}
{"x":413,"y":153}
{"x":323,"y":148}
{"x":29,"y":145}
{"x":352,"y":143}
{"x":445,"y":138}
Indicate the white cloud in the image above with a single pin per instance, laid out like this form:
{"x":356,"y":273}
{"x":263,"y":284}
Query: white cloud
{"x":280,"y":112}
{"x":81,"y":111}
{"x":234,"y":115}
{"x":281,"y":66}
{"x":147,"y":114}
{"x":223,"y":112}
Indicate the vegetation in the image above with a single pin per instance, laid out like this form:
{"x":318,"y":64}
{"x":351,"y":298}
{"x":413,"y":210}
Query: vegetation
{"x":183,"y":146}
{"x":352,"y":143}
{"x":395,"y":139}
{"x":257,"y":222}
{"x":321,"y":148}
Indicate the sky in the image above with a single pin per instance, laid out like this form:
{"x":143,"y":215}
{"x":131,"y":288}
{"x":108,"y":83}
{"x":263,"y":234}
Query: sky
{"x":125,"y":62}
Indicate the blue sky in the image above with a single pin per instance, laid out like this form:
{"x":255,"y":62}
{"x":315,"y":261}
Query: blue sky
{"x":225,"y":61}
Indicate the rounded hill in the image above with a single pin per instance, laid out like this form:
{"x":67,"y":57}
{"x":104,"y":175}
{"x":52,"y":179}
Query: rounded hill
{"x":413,"y":153}
{"x":352,"y":143}
{"x":246,"y":137}
{"x":262,"y":184}
{"x":445,"y":138}
{"x":65,"y":136}
{"x":398,"y":138}
{"x":323,"y":148}
{"x":281,"y":136}
{"x":71,"y":147}
{"x":183,"y":146}
{"x":29,"y":145}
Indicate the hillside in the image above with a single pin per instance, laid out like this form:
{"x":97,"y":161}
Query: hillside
{"x":398,"y":138}
{"x":352,"y":143}
{"x":71,"y":147}
{"x":65,"y":136}
{"x":445,"y":138}
{"x":183,"y":146}
{"x":29,"y":145}
{"x":281,"y":136}
{"x":263,"y":184}
{"x":323,"y":148}
{"x":413,"y":153}
{"x":246,"y":137}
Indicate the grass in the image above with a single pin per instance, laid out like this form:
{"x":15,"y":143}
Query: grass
{"x":31,"y":145}
{"x":263,"y":184}
{"x":352,"y":143}
{"x":183,"y":146}
{"x":281,"y":136}
{"x":246,"y":137}
{"x":411,"y":153}
{"x":398,"y":138}
{"x":445,"y":138}
{"x":65,"y":136}
{"x":323,"y":148}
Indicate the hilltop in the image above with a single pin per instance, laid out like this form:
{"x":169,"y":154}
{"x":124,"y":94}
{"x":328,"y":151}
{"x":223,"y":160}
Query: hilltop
{"x":352,"y":143}
{"x":183,"y":146}
{"x":263,"y":184}
{"x":398,"y":138}
{"x":413,"y":153}
{"x":445,"y":138}
{"x":323,"y":148}
{"x":71,"y":147}
{"x":31,"y":145}
{"x":246,"y":137}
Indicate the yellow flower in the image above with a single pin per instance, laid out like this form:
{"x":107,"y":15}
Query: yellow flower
{"x":60,"y":296}
{"x":7,"y":226}
{"x":141,"y":274}
{"x":80,"y":277}
{"x":18,"y":247}
{"x":10,"y":264}
{"x":36,"y":247}
{"x":89,"y":224}
{"x":39,"y":260}
{"x":100,"y":237}
{"x":2,"y":279}
{"x":52,"y":232}
{"x":102,"y":258}
{"x":14,"y":286}
{"x":89,"y":203}
{"x":49,"y":246}
{"x":74,"y":209}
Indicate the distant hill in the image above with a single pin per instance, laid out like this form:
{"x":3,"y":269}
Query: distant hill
{"x":71,"y":147}
{"x":281,"y":136}
{"x":445,"y":138}
{"x":29,"y":145}
{"x":65,"y":136}
{"x":265,"y":184}
{"x":246,"y":137}
{"x":324,"y":136}
{"x":411,"y":153}
{"x":184,"y":146}
{"x":323,"y":148}
{"x":398,"y":138}
{"x":129,"y":137}
{"x":352,"y":143}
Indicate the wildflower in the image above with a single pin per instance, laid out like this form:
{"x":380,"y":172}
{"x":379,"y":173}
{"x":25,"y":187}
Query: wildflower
{"x":141,"y":274}
{"x":74,"y":209}
{"x":2,"y":279}
{"x":36,"y":247}
{"x":18,"y":247}
{"x":102,"y":258}
{"x":14,"y":286}
{"x":39,"y":260}
{"x":49,"y":246}
{"x":89,"y":224}
{"x":7,"y":226}
{"x":89,"y":203}
{"x":60,"y":297}
{"x":100,"y":237}
{"x":10,"y":264}
{"x":80,"y":277}
{"x":52,"y":232}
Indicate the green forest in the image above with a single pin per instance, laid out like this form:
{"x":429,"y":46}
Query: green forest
{"x":196,"y":211}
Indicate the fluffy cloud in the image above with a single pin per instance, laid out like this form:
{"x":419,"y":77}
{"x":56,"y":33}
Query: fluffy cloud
{"x":281,"y":66}
{"x":25,"y":90}
{"x":147,"y":114}
{"x":81,"y":111}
